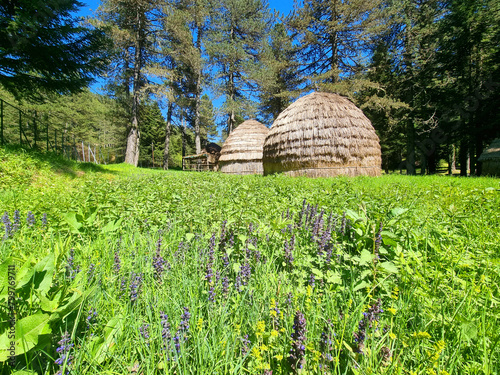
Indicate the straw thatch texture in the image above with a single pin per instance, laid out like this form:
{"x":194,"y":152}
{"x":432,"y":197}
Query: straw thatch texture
{"x":491,"y":159}
{"x":242,"y":151}
{"x":322,"y":135}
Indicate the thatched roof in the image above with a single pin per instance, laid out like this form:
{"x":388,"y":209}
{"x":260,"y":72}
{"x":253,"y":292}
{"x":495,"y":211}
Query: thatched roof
{"x":492,"y":152}
{"x":322,"y":134}
{"x":242,"y":151}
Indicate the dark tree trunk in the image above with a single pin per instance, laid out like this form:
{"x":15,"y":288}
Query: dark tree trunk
{"x":133,"y":139}
{"x":197,"y":99}
{"x":410,"y":148}
{"x":166,"y":150}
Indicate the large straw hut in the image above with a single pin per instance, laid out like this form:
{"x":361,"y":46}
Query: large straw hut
{"x":242,"y":151}
{"x":490,"y":159}
{"x":322,"y":135}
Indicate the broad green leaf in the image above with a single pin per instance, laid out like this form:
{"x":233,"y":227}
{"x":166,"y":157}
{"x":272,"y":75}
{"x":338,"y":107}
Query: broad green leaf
{"x":112,"y":331}
{"x":189,"y":237}
{"x":365,"y":257}
{"x":44,"y":271}
{"x":389,"y":267}
{"x":71,"y":219}
{"x":27,"y":333}
{"x":4,"y":278}
{"x":361,"y":285}
{"x":112,"y":226}
{"x":25,"y":273}
{"x":333,"y":277}
{"x":395,"y":212}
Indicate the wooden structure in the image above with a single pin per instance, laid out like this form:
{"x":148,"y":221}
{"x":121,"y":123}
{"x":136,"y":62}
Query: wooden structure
{"x":322,"y":135}
{"x":204,"y":161}
{"x":491,"y":159}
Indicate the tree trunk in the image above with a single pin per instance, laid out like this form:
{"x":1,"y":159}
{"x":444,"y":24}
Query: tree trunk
{"x":166,"y":150}
{"x":183,"y":132}
{"x":197,"y":103}
{"x":463,"y":157}
{"x":132,"y":153}
{"x":232,"y":94}
{"x":410,"y":148}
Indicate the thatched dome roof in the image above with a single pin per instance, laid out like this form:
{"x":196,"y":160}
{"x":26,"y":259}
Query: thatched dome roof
{"x":242,"y":151}
{"x":322,"y":135}
{"x":492,"y":152}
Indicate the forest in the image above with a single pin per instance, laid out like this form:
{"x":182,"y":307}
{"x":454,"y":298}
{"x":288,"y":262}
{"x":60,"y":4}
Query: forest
{"x":178,"y":74}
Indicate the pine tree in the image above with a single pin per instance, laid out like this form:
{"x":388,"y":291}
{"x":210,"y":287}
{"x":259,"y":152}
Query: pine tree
{"x":132,"y":30}
{"x":235,"y":42}
{"x":333,"y":36}
{"x":280,"y":81}
{"x":44,"y":49}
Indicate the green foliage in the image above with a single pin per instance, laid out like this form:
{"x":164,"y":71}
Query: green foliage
{"x":433,"y":265}
{"x":44,"y":49}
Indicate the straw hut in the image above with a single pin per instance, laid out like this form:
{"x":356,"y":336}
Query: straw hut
{"x":322,"y":135}
{"x":242,"y":151}
{"x":490,"y":159}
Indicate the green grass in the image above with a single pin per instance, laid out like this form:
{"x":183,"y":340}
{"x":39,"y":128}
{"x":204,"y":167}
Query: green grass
{"x":436,"y":272}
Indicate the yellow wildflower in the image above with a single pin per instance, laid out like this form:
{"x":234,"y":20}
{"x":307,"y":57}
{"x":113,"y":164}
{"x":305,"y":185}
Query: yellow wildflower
{"x":260,"y":328}
{"x":392,"y":336}
{"x":444,"y":372}
{"x":309,"y":291}
{"x":421,"y":335}
{"x":274,"y":333}
{"x":395,"y":293}
{"x":279,"y":357}
{"x":199,"y":325}
{"x":392,"y":310}
{"x":263,"y":347}
{"x":256,"y":353}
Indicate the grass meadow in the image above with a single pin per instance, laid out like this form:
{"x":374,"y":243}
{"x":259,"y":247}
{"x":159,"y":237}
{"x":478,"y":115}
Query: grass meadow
{"x":120,"y":270}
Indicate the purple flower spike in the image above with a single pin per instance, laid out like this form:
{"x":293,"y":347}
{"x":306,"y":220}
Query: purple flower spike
{"x":298,"y":350}
{"x":64,"y":360}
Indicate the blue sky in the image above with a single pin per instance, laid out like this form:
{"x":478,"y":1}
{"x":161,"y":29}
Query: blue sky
{"x":283,"y":6}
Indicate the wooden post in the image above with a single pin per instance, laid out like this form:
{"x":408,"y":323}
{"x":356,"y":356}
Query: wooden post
{"x":1,"y":122}
{"x":34,"y":127}
{"x":20,"y":129}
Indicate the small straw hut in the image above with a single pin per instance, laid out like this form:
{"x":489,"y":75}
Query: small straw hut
{"x":322,"y":135}
{"x":242,"y":151}
{"x":490,"y":159}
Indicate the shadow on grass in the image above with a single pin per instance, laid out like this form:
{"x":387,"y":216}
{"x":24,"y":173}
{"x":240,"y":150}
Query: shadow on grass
{"x":58,"y":163}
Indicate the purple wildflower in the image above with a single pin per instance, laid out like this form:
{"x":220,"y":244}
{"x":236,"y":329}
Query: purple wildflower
{"x":144,"y":330}
{"x":326,"y":341}
{"x":7,"y":225}
{"x":30,"y":220}
{"x":90,"y":272}
{"x":211,"y":294}
{"x":246,"y":273}
{"x":117,"y":262}
{"x":343,"y":225}
{"x":135,"y":287}
{"x":70,"y":266}
{"x":245,"y":345}
{"x":289,"y":246}
{"x":64,"y":360}
{"x":298,"y":350}
{"x":211,"y":250}
{"x":17,"y":221}
{"x":44,"y":219}
{"x":159,"y":264}
{"x":225,"y":286}
{"x":91,"y":318}
{"x":372,"y":315}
